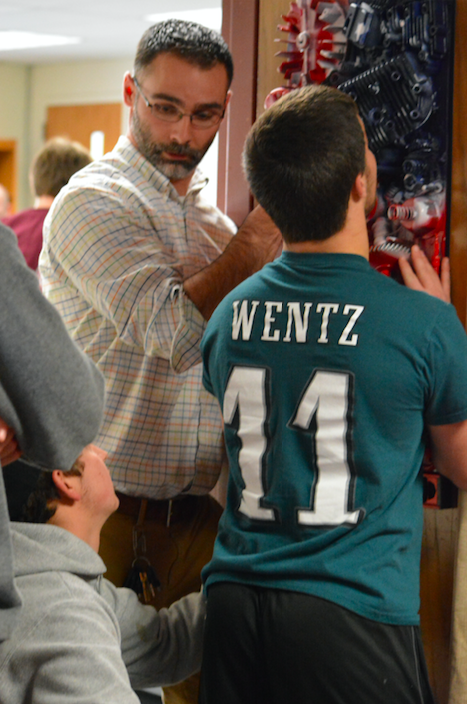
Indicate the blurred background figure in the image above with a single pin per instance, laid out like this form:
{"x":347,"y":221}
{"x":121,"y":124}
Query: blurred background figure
{"x":51,"y":169}
{"x":4,"y":202}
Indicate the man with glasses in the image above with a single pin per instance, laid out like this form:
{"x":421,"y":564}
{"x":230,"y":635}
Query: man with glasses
{"x":136,"y":261}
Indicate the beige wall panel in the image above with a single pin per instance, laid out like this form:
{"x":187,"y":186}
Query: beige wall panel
{"x":14,"y":121}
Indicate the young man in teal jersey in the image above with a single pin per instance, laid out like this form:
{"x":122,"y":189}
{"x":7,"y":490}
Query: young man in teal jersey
{"x":331,"y":379}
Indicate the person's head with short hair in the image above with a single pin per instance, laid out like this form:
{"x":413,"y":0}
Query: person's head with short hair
{"x":79,"y":500}
{"x":190,"y":41}
{"x":55,"y":164}
{"x":42,"y":502}
{"x":302,"y":158}
{"x":177,"y":96}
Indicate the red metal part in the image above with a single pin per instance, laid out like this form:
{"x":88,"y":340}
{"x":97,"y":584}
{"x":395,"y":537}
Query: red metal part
{"x":315,"y":44}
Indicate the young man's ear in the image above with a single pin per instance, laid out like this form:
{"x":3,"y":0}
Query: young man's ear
{"x":359,"y":188}
{"x":68,"y":485}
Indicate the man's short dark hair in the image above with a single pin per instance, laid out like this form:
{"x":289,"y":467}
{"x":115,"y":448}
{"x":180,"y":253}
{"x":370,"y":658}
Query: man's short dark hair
{"x":55,"y":164}
{"x":302,"y":157}
{"x":42,"y":502}
{"x":189,"y":41}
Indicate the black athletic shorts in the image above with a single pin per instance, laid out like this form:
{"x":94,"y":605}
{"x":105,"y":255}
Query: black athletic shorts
{"x":269,"y":646}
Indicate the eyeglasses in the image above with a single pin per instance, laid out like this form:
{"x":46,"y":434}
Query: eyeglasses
{"x":167,"y":112}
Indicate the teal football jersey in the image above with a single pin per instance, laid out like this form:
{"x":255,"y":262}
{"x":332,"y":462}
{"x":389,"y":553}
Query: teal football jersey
{"x":327,"y":374}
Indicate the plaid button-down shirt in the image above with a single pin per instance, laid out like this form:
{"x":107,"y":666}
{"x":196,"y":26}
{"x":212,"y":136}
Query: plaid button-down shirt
{"x":118,"y":243}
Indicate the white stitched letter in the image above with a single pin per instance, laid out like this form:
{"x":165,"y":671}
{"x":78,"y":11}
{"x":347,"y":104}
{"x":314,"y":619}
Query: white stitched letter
{"x":344,"y":338}
{"x":242,"y":319}
{"x":268,"y":319}
{"x":327,"y":309}
{"x":301,"y":324}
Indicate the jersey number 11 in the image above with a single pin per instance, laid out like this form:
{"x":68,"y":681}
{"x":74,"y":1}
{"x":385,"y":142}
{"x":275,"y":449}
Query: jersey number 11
{"x":327,"y":399}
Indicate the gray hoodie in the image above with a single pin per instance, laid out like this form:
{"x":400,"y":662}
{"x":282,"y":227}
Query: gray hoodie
{"x":80,"y":639}
{"x":51,"y":394}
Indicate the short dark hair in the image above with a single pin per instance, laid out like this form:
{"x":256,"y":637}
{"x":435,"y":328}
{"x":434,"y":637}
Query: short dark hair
{"x":55,"y":164}
{"x":302,"y":157}
{"x":42,"y":502}
{"x":188,"y":40}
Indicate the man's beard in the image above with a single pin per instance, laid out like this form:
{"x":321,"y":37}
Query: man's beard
{"x":152,"y":151}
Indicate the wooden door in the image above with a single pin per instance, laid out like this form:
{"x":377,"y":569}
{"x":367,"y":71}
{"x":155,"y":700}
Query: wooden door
{"x":77,"y":122}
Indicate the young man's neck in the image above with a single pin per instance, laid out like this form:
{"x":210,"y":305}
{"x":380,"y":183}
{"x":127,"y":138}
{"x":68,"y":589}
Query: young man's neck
{"x":352,"y":239}
{"x":342,"y":242}
{"x":86,"y":530}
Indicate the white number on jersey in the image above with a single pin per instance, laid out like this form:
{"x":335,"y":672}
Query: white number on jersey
{"x":326,"y":400}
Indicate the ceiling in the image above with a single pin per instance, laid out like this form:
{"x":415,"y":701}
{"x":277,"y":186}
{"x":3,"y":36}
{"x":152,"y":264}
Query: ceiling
{"x":108,"y":28}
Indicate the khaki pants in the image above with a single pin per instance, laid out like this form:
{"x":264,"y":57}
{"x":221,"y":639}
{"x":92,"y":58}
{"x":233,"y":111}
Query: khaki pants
{"x":177,"y":552}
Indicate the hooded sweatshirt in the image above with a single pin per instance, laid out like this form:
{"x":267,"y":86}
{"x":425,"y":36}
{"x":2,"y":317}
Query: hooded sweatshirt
{"x":80,"y":639}
{"x":51,"y":393}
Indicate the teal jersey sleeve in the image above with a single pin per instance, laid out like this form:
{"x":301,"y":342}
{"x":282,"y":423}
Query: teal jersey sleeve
{"x":447,"y":359}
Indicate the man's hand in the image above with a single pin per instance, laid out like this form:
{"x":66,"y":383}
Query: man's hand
{"x":9,"y":450}
{"x":422,"y":277}
{"x":257,"y":242}
{"x":262,"y":237}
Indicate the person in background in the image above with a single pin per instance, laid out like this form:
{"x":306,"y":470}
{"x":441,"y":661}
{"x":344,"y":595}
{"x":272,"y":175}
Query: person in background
{"x":135,"y":260}
{"x":51,"y":395}
{"x":51,"y":169}
{"x":5,"y":202}
{"x":331,"y":379}
{"x":79,"y":638}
